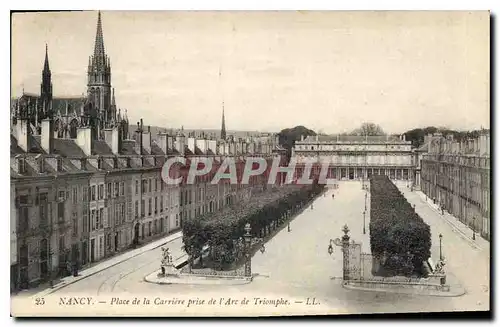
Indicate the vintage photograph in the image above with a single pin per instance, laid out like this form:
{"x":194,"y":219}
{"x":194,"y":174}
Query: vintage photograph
{"x":249,"y":163}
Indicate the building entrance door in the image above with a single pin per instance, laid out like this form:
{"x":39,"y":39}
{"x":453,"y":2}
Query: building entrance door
{"x":351,"y":173}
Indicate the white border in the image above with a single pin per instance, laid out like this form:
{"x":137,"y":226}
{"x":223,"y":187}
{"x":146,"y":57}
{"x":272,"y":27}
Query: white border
{"x":194,"y":5}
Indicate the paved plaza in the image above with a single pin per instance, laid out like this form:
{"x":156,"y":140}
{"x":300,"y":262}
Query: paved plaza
{"x":296,"y":264}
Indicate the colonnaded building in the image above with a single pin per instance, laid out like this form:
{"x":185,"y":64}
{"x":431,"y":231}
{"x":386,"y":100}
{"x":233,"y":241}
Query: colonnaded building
{"x":358,"y":157}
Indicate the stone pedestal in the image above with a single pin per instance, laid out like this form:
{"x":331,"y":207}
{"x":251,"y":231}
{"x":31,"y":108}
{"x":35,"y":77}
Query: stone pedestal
{"x":169,"y":270}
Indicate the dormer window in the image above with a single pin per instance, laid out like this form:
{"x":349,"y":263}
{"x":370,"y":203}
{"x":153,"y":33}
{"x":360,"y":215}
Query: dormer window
{"x":115,"y":163}
{"x":41,"y":165}
{"x":21,"y":163}
{"x":83,"y":164}
{"x":59,"y":164}
{"x":99,"y":163}
{"x":128,"y":162}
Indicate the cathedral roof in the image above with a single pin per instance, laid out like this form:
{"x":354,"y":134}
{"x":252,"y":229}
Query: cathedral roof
{"x":59,"y":104}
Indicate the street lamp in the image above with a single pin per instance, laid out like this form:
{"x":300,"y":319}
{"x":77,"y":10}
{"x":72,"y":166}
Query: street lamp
{"x":248,"y":243}
{"x":330,"y":247}
{"x":440,"y":247}
{"x":474,"y":228}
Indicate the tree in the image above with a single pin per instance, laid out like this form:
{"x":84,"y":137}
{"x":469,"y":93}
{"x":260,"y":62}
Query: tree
{"x":289,"y":136}
{"x":417,"y":135}
{"x":369,"y":129}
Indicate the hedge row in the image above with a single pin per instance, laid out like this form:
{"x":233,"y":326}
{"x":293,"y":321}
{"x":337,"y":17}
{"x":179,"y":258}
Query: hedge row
{"x":398,"y":235}
{"x":220,"y":229}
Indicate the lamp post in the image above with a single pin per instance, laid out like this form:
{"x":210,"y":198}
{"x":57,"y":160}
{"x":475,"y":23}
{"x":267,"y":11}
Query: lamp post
{"x":248,"y":243}
{"x":345,"y":249}
{"x":474,"y":228}
{"x":364,"y":224}
{"x":440,"y":247}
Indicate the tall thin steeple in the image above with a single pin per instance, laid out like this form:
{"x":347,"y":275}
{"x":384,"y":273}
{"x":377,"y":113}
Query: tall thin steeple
{"x":99,"y":53}
{"x":99,"y":82}
{"x":46,"y":85}
{"x":223,"y":128}
{"x":46,"y":67}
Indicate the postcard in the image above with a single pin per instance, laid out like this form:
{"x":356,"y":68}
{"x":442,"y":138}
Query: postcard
{"x":246,"y":164}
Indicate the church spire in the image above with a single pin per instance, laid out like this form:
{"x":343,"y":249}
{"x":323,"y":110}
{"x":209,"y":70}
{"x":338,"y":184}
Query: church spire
{"x":46,"y":68}
{"x":99,"y":53}
{"x":46,"y":86}
{"x":223,"y":128}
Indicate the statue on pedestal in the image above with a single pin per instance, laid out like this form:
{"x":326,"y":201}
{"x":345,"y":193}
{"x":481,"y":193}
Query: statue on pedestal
{"x":167,"y":265}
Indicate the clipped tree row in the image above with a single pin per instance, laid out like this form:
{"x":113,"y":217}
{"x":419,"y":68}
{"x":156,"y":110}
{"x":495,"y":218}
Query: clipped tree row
{"x":399,"y":239}
{"x":264,"y":211}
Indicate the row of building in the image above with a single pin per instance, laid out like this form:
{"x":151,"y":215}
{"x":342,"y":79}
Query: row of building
{"x":456,"y":175}
{"x":83,"y":189}
{"x":81,"y":200}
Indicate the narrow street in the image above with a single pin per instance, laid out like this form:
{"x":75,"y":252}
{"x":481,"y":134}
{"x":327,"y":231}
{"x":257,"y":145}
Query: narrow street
{"x":297,"y":263}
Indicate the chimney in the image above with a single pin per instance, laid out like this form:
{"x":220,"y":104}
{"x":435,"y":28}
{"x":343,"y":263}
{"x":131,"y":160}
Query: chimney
{"x":170,"y":142}
{"x":24,"y":134}
{"x":84,"y":140}
{"x":112,"y":138}
{"x":191,"y":142}
{"x":163,"y":142}
{"x":146,"y":140}
{"x":200,"y":143}
{"x":404,"y":137}
{"x":212,"y":145}
{"x":47,"y":138}
{"x":138,"y":140}
{"x":180,"y":143}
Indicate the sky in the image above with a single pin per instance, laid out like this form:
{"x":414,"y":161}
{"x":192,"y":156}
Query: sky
{"x":329,"y":71}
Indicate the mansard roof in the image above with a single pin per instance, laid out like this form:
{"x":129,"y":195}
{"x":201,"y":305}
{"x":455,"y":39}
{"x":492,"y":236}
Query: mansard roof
{"x":353,"y":138}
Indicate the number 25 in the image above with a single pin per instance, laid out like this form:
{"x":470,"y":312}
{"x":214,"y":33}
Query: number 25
{"x":40,"y":301}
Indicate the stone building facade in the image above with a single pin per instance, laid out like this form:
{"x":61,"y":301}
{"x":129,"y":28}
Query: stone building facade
{"x":83,"y":190}
{"x":82,"y":200}
{"x":358,"y":157}
{"x":456,"y":175}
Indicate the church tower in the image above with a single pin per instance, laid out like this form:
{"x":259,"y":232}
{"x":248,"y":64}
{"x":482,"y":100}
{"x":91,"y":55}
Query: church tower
{"x":45,"y":87}
{"x":99,"y":83}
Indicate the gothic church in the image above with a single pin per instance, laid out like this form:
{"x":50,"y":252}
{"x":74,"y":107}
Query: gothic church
{"x":97,"y":109}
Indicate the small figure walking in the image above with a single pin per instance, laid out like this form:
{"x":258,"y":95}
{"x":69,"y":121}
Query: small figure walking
{"x":289,"y":227}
